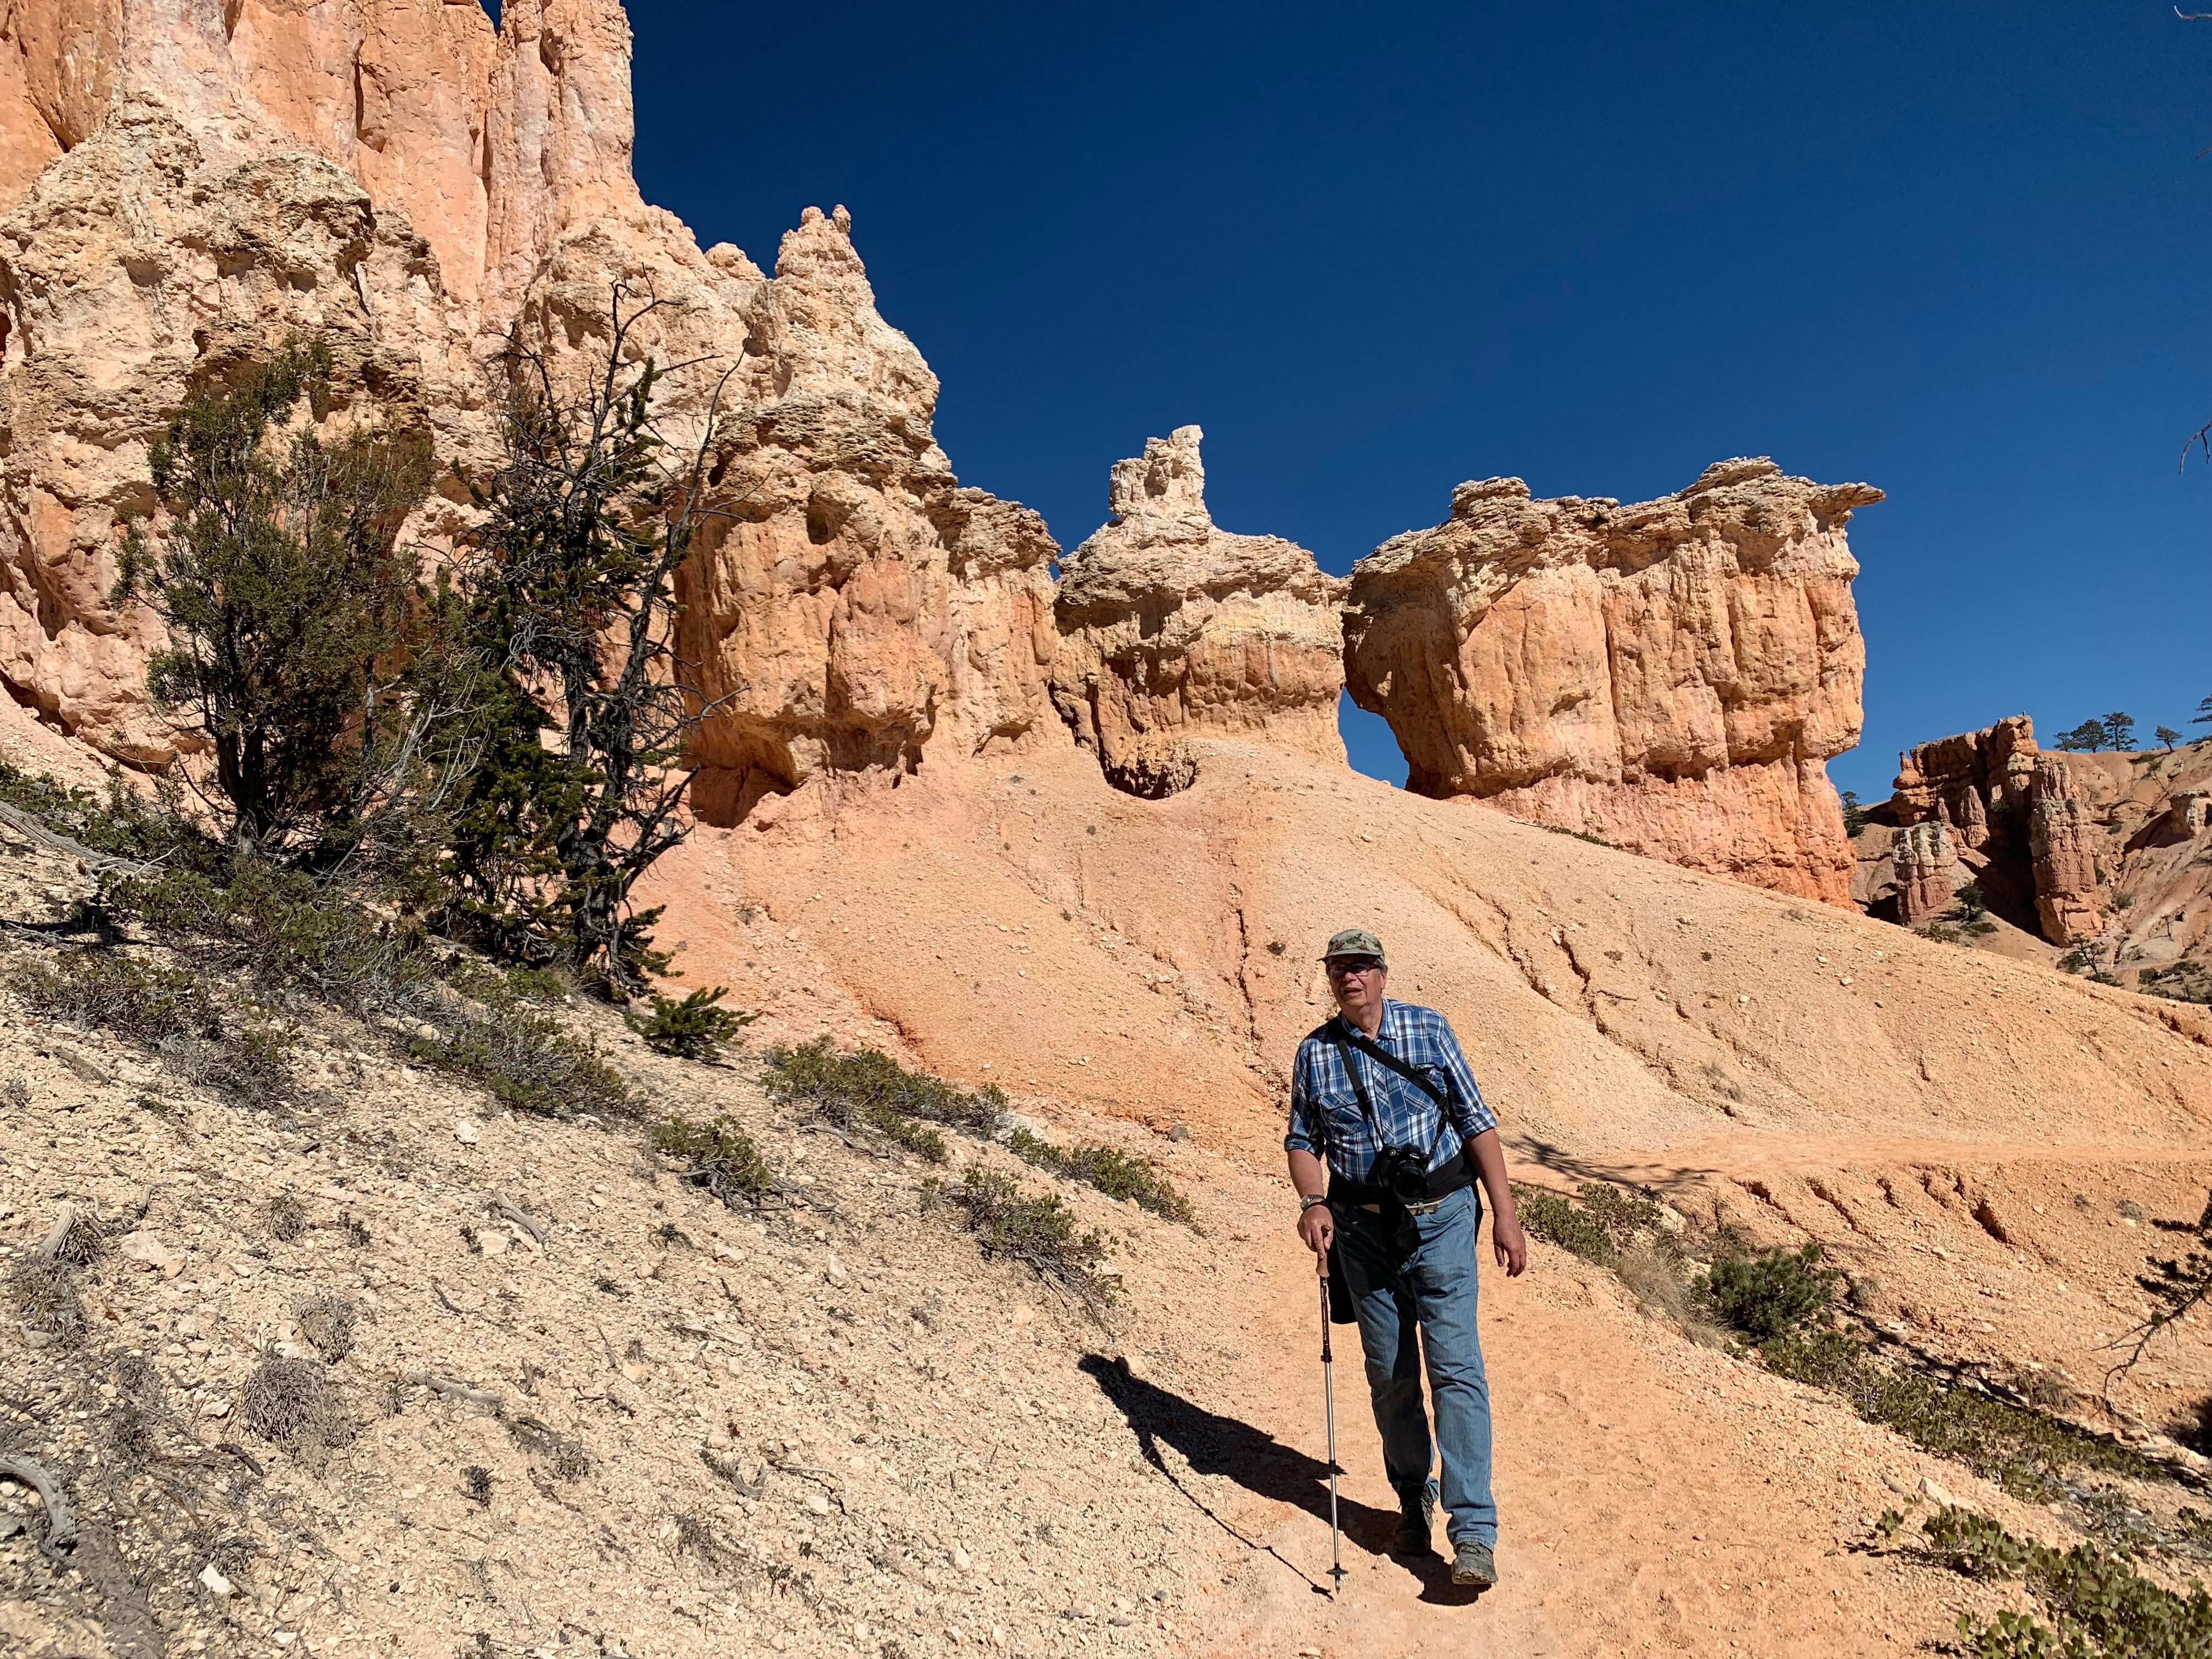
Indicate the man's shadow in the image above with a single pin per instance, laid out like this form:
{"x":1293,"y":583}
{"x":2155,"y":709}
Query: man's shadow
{"x":1216,"y":1445}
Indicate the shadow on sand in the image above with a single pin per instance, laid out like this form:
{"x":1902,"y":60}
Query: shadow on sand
{"x":1213,"y":1444}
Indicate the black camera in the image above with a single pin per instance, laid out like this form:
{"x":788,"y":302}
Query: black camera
{"x":1402,"y":1172}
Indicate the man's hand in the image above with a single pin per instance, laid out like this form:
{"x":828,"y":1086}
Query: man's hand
{"x":1317,"y":1227}
{"x":1510,"y":1244}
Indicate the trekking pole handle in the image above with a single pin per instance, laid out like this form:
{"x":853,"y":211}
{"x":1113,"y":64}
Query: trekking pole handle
{"x":1324,"y":1317}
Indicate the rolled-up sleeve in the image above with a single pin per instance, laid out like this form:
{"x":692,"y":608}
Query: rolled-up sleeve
{"x":1304,"y":1134}
{"x":1470,"y":1113}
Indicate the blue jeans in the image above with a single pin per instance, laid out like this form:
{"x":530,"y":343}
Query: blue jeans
{"x":1414,"y":1286}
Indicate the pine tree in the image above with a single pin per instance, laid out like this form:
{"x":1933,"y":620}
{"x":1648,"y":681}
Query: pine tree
{"x":2120,"y":731}
{"x":298,"y":651}
{"x":2167,"y":735}
{"x":571,"y":584}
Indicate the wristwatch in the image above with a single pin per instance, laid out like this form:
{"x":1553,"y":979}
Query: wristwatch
{"x":1307,"y":1200}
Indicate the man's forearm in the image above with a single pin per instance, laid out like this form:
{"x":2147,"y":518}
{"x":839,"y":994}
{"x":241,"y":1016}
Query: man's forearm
{"x":1490,"y":1164}
{"x":1308,"y":1174}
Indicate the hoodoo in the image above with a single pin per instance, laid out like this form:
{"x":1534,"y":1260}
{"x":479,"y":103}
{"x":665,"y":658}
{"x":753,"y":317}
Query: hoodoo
{"x":407,"y":186}
{"x":1170,"y":628}
{"x":1671,"y":676}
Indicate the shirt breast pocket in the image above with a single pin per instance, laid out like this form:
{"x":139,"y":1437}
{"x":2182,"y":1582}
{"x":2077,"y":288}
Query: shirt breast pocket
{"x":1338,"y":1110}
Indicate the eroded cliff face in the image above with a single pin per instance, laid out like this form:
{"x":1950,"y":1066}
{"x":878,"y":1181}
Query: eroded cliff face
{"x":185,"y":182}
{"x":1670,"y":675}
{"x":1170,"y":629}
{"x":2016,"y":826}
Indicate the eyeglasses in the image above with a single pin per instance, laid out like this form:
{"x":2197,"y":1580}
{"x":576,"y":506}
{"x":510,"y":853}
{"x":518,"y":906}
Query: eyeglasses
{"x":1345,"y":968}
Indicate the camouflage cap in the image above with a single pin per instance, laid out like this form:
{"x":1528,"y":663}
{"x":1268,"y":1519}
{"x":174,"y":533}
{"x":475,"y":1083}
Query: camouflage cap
{"x":1354,"y":942}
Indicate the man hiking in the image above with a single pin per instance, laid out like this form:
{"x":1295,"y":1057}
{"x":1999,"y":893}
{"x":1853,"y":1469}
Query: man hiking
{"x":1383,"y":1096}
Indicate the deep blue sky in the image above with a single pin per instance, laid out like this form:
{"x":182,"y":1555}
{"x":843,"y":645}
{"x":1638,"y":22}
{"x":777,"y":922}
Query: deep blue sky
{"x":1958,"y":251}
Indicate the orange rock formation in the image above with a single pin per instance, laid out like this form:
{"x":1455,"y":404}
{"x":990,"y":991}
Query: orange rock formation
{"x":187,"y":184}
{"x":2015,"y":813}
{"x":1670,"y":675}
{"x":1169,"y":627}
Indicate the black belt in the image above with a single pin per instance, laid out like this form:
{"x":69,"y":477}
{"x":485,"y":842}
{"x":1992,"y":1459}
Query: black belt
{"x":1444,"y":1181}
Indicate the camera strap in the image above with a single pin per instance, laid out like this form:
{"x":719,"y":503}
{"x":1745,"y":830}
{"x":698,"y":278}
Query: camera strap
{"x":1346,"y":1033}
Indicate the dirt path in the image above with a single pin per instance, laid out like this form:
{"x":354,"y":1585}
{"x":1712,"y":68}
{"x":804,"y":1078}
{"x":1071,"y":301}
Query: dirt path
{"x":1656,"y":1497}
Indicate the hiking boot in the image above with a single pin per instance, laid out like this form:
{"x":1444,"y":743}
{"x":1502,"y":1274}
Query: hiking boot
{"x":1474,"y":1567}
{"x":1411,"y":1537}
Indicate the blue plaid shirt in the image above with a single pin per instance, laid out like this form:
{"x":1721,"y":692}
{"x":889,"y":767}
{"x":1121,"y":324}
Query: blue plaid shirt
{"x":1325,"y":1115}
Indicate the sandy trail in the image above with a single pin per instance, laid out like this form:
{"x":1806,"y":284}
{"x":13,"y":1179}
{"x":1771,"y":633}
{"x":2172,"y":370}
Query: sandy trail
{"x":1654,"y":1497}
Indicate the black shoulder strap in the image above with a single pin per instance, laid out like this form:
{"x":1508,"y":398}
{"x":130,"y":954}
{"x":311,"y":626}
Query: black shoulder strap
{"x":1346,"y":1032}
{"x":1382,"y":1056}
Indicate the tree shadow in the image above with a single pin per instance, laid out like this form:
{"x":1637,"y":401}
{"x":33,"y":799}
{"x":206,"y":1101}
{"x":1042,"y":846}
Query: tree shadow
{"x":1213,"y":1444}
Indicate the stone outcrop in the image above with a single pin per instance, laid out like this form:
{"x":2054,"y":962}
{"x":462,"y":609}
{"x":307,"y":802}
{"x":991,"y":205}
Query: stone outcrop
{"x":1170,"y":629}
{"x":189,"y":181}
{"x":2016,"y":818}
{"x":138,"y":266}
{"x":1960,"y":780}
{"x":1928,"y":873}
{"x":2063,"y":838}
{"x":1670,"y":675}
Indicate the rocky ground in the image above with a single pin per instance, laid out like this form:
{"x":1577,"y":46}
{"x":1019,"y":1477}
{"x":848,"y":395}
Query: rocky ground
{"x":829,"y":1426}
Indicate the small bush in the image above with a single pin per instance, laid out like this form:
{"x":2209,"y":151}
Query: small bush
{"x":2100,"y":1606}
{"x":1038,"y":1232}
{"x":290,"y":1403}
{"x":531,"y":1063}
{"x":287,"y":1217}
{"x":285,"y":931}
{"x":16,"y":1094}
{"x":1974,"y":1546}
{"x":1597,"y":1223}
{"x":1770,"y":1293}
{"x":251,"y":1068}
{"x":1559,"y":1221}
{"x":44,"y":1295}
{"x":1118,"y":1175}
{"x":476,"y":1485}
{"x":692,"y":1028}
{"x":2022,"y":1451}
{"x":1656,"y":1275}
{"x":722,"y":1158}
{"x":105,"y":991}
{"x":869,"y":1090}
{"x":565,"y":1458}
{"x":326,"y":1322}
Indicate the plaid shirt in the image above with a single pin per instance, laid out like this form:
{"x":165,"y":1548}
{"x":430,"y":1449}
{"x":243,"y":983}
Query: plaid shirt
{"x":1325,"y":1115}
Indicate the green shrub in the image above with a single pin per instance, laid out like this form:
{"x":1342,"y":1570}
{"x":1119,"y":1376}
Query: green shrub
{"x":1118,"y":1175}
{"x":692,"y":1027}
{"x":103,"y":990}
{"x":869,"y":1090}
{"x":1597,"y":1225}
{"x":720,"y":1155}
{"x":2100,"y":1606}
{"x":1769,"y":1293}
{"x":1038,"y":1232}
{"x":285,"y":931}
{"x":2022,"y":1451}
{"x":1973,"y":1545}
{"x":531,"y":1063}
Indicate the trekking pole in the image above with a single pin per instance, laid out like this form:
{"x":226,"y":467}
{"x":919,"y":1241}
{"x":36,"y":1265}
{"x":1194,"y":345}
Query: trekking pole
{"x":1328,"y":1407}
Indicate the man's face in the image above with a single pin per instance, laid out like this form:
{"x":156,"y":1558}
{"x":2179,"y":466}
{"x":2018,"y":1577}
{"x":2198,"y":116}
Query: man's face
{"x":1356,"y":983}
